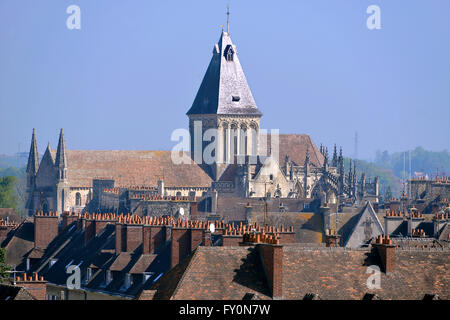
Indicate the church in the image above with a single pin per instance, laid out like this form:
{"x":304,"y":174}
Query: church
{"x":249,"y":162}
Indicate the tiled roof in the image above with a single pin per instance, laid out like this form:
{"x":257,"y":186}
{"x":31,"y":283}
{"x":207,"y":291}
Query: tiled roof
{"x":132,"y":168}
{"x":215,"y":273}
{"x":10,"y":214}
{"x":331,"y":273}
{"x":295,"y":146}
{"x":445,"y":232}
{"x":341,"y":274}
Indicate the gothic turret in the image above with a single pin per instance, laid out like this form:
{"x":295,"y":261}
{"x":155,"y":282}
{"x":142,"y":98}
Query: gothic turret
{"x":325,"y":160}
{"x":33,"y":159}
{"x":32,"y":169}
{"x":305,"y":177}
{"x":62,"y":186}
{"x":341,"y":170}
{"x":61,"y":160}
{"x":334,"y":162}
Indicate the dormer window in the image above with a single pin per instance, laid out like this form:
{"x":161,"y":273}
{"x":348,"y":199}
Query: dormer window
{"x":128,"y":282}
{"x":236,"y":98}
{"x":52,"y":262}
{"x":229,"y":53}
{"x":146,"y":276}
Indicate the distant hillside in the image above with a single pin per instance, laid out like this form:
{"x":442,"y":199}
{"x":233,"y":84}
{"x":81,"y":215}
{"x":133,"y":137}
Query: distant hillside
{"x":390,"y":167}
{"x":422,"y":162}
{"x":386,"y":177}
{"x":17,"y":160}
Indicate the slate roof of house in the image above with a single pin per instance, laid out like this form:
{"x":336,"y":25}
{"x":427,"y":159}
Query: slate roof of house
{"x":21,"y":243}
{"x":10,"y":292}
{"x":295,"y":146}
{"x":132,"y":168}
{"x":222,"y":81}
{"x":69,"y":248}
{"x":332,"y":273}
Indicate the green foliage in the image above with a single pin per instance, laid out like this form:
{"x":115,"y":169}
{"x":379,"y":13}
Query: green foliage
{"x":19,"y":187}
{"x":14,"y":172}
{"x":427,"y":162}
{"x":3,"y":266}
{"x":8,"y":194}
{"x":387,"y":178}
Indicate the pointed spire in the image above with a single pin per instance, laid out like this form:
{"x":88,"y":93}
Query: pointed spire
{"x":224,"y":88}
{"x":335,"y":157}
{"x":33,"y":156}
{"x":341,"y":162}
{"x":307,"y":156}
{"x":61,"y":161}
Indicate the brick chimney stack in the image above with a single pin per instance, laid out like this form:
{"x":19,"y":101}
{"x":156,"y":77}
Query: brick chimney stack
{"x":68,"y":218}
{"x":272,"y":259}
{"x":386,"y":252}
{"x":332,"y":239}
{"x":45,"y":228}
{"x":35,"y":285}
{"x":119,"y":241}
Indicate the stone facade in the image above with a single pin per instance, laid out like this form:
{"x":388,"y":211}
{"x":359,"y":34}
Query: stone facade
{"x":244,"y":161}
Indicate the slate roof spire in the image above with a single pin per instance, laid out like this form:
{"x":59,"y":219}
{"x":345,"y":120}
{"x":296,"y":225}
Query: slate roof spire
{"x":33,"y":156}
{"x":61,"y":159}
{"x":224,"y":89}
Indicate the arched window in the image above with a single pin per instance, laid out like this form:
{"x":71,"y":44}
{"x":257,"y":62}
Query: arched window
{"x":78,"y":199}
{"x":229,"y":52}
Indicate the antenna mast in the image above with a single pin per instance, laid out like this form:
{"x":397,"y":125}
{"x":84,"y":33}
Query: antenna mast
{"x":228,"y":18}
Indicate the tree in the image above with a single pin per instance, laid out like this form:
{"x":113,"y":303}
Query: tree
{"x":8,"y":194}
{"x":3,"y":266}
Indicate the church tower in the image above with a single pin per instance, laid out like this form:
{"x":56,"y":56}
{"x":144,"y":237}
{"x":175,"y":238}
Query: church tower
{"x":32,"y":169}
{"x":225,"y":103}
{"x":62,"y":186}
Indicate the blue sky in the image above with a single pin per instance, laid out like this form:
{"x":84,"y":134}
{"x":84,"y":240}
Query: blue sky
{"x":127,"y":78}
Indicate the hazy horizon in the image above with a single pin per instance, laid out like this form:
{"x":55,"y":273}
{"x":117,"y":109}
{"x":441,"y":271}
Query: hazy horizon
{"x":127,"y":78}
